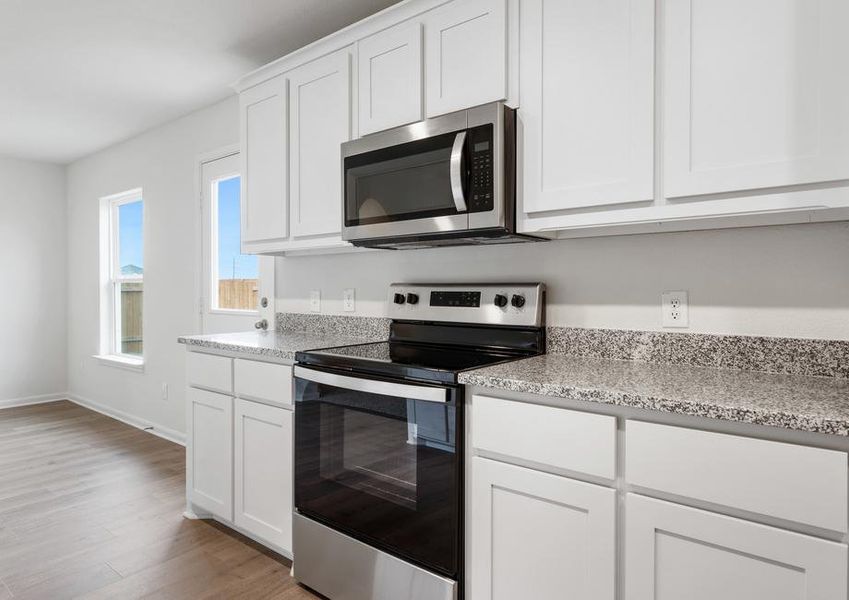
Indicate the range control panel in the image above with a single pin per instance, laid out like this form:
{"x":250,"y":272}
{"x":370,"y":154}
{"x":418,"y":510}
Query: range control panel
{"x":518,"y":304}
{"x":452,"y":298}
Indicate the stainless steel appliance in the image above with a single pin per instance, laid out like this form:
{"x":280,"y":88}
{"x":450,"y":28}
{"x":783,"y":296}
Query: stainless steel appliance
{"x":446,"y":181}
{"x":379,"y":441}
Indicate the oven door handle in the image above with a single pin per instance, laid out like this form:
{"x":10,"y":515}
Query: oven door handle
{"x":384,"y":388}
{"x":456,"y":172}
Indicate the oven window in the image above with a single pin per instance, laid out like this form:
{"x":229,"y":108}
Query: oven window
{"x":371,"y":454}
{"x":409,"y":181}
{"x":383,"y":469}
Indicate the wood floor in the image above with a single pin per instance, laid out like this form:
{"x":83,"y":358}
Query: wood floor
{"x":92,"y":508}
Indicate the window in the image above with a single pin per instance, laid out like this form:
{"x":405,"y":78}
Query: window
{"x":122,"y":268}
{"x":235,"y":276}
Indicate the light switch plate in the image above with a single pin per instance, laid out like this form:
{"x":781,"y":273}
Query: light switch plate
{"x":315,"y":300}
{"x":348,"y":301}
{"x":675,"y":309}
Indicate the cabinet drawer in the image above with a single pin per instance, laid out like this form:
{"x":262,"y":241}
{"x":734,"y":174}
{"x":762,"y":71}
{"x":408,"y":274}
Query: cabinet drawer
{"x":561,"y":438}
{"x":210,"y":372}
{"x":797,"y":483}
{"x":264,"y":381}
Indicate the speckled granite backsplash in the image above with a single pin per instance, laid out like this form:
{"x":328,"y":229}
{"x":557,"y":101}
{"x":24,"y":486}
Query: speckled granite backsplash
{"x":346,"y":325}
{"x":791,"y":356}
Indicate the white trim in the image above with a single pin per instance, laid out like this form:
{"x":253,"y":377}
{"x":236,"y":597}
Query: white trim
{"x":218,"y":153}
{"x":121,"y":361}
{"x":200,"y":223}
{"x":31,"y":400}
{"x":347,"y":36}
{"x":206,"y":277}
{"x":110,"y":273}
{"x":233,"y":311}
{"x":166,"y":433}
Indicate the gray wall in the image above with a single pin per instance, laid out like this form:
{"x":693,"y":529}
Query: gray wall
{"x":775,"y":281}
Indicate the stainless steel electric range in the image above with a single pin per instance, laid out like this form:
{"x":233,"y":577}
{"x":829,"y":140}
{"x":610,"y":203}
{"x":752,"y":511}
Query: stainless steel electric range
{"x":379,"y":441}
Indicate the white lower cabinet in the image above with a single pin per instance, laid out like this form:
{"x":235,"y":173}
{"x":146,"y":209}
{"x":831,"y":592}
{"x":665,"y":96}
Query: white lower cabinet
{"x":239,"y":456}
{"x":263,"y":471}
{"x":676,"y":552}
{"x":542,"y":536}
{"x":210,"y":450}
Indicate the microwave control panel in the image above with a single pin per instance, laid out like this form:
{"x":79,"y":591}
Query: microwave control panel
{"x":482,"y":170}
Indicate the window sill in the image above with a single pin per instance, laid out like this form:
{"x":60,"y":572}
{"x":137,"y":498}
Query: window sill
{"x":121,"y":362}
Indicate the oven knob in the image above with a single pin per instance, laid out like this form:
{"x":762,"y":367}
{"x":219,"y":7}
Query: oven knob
{"x":518,"y":300}
{"x":399,"y":299}
{"x":500,"y":300}
{"x":412,"y":298}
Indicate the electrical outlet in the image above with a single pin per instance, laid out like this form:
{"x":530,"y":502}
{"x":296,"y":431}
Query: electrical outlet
{"x":165,"y":391}
{"x":675,"y":309}
{"x":315,"y":300}
{"x":348,"y":302}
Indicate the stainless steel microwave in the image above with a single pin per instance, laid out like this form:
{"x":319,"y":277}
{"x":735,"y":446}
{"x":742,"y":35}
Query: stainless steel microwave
{"x":446,"y":181}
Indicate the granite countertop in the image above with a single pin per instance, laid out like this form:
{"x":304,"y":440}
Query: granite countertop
{"x":273,"y":344}
{"x":815,"y":404}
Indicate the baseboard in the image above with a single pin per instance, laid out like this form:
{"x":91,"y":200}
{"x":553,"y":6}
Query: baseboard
{"x":158,"y":430}
{"x":29,"y":400}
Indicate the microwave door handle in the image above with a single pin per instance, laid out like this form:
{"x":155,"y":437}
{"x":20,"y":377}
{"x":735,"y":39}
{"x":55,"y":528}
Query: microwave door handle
{"x":456,"y":172}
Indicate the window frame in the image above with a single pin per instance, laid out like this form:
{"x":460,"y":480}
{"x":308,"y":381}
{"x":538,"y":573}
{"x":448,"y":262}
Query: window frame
{"x":112,"y":279}
{"x":214,"y":266}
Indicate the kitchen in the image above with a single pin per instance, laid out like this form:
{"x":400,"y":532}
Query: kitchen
{"x":527,"y":299}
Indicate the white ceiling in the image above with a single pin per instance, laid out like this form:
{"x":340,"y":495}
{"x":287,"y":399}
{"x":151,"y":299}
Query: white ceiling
{"x":79,"y":75}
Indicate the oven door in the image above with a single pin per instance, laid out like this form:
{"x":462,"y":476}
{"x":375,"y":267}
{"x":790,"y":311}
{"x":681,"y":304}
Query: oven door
{"x":382,"y":462}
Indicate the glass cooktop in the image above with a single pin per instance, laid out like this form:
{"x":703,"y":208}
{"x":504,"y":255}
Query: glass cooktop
{"x":398,"y":359}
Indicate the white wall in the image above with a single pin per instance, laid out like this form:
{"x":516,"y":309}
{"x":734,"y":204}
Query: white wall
{"x":774,"y":281}
{"x":164,"y":163}
{"x":32,"y":277}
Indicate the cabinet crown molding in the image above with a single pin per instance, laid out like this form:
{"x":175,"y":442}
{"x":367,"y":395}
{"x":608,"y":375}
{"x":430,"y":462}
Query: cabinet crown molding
{"x":388,"y":17}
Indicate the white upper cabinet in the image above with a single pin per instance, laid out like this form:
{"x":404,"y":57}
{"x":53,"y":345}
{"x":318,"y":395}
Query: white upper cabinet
{"x":319,"y":121}
{"x":587,"y":102}
{"x":677,"y":552}
{"x":390,"y":78}
{"x":262,"y":111}
{"x":756,"y":94}
{"x":465,"y":55}
{"x":634,"y":115}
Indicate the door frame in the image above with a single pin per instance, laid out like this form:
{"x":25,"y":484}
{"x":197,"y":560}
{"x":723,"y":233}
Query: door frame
{"x":200,"y":222}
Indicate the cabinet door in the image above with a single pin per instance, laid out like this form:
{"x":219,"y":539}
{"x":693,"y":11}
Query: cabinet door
{"x":211,"y":452}
{"x":319,"y":121}
{"x":263,"y":157}
{"x":465,"y":55}
{"x":587,"y":91}
{"x":675,"y":552}
{"x":756,"y":94}
{"x":390,"y":78}
{"x":263,"y":473}
{"x":541,"y":536}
